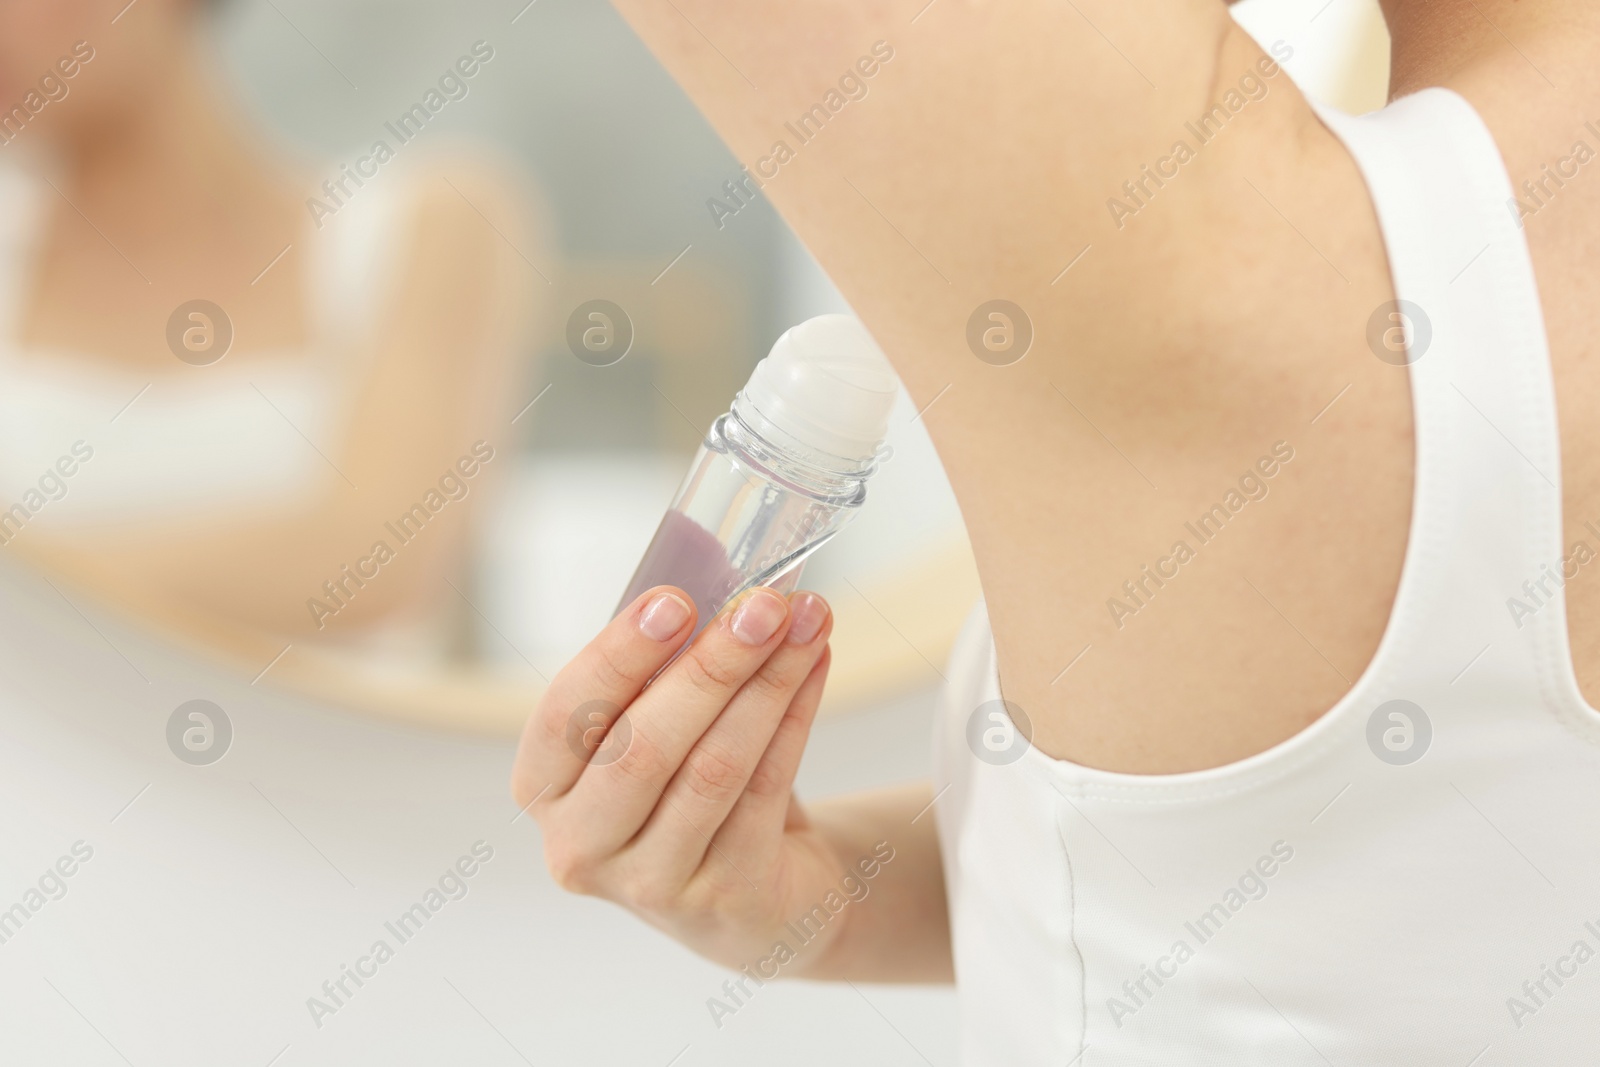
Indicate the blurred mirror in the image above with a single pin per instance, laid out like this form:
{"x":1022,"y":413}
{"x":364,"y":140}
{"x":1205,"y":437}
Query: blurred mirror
{"x":295,"y":352}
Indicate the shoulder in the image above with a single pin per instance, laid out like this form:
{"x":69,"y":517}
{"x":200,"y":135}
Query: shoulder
{"x":435,"y":258}
{"x":472,"y":204}
{"x":457,"y":238}
{"x":387,"y":213}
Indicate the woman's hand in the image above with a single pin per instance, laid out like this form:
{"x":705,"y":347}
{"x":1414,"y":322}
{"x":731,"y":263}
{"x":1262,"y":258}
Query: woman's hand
{"x":674,"y":800}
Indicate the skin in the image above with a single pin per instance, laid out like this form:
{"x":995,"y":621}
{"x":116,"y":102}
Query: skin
{"x":161,"y":168}
{"x":677,"y":800}
{"x":1224,"y":317}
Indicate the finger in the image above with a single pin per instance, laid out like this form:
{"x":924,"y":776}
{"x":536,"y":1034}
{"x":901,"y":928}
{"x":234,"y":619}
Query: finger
{"x":583,"y":702}
{"x":614,"y":797}
{"x":754,"y":828}
{"x":719,"y":765}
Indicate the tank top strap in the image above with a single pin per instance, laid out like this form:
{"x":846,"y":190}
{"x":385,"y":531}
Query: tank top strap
{"x":1484,"y":561}
{"x":21,"y":213}
{"x":354,"y":259}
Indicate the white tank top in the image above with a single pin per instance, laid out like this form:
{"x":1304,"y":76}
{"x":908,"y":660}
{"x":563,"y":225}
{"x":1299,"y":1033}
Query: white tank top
{"x":1399,"y":884}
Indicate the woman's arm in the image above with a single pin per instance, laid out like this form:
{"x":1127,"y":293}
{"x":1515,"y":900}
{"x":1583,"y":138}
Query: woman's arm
{"x":435,"y":377}
{"x":899,"y":930}
{"x":1195,"y":256}
{"x":973,"y":148}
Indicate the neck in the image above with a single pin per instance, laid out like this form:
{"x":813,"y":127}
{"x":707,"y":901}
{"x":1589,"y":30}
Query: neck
{"x":169,"y":158}
{"x":169,"y":124}
{"x":1435,"y":42}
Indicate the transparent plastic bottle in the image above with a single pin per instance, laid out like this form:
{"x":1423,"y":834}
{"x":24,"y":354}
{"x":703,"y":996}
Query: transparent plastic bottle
{"x":780,"y":473}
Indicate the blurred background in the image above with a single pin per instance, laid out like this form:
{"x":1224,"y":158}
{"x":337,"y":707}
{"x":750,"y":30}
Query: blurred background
{"x":368,"y":749}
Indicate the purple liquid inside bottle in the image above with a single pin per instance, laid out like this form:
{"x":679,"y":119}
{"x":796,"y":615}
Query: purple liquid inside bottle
{"x":683,"y":553}
{"x":780,"y":473}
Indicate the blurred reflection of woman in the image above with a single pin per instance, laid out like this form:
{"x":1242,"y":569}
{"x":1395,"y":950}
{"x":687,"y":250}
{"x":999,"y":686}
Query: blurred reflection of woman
{"x":368,"y":356}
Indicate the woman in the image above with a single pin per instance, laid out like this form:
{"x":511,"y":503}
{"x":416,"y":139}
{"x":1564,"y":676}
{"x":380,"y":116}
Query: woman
{"x":226,"y":381}
{"x":1278,"y":558}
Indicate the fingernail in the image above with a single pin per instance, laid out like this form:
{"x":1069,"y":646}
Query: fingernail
{"x":810,"y":612}
{"x":663,"y":617}
{"x":758,"y":618}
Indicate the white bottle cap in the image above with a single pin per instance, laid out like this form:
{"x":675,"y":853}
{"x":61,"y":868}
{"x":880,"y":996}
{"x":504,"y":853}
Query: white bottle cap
{"x":828,"y":385}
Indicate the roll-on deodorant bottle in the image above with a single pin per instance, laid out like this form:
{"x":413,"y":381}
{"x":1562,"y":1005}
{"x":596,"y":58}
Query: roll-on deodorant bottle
{"x":780,"y":473}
